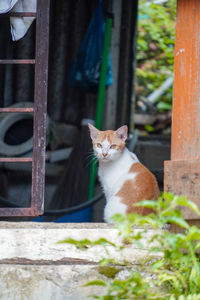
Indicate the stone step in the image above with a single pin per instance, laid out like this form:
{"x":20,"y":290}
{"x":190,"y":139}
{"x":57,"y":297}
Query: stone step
{"x":33,"y":265}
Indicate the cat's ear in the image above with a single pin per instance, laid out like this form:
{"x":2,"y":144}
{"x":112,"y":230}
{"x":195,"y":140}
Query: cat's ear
{"x":122,"y":133}
{"x":94,"y":132}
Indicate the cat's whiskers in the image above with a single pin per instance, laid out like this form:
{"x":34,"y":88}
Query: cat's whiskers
{"x":91,"y":159}
{"x":94,"y":159}
{"x":90,"y":151}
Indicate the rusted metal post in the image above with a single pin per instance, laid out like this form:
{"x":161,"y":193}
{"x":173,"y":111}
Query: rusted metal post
{"x":39,"y":113}
{"x":40,"y":105}
{"x":182,"y":172}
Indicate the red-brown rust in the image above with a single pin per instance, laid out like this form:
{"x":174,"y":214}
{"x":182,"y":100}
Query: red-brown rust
{"x":40,"y":104}
{"x":18,"y":211}
{"x":17,"y":109}
{"x":18,"y":14}
{"x":39,"y":116}
{"x":16,"y":159}
{"x":17,"y":61}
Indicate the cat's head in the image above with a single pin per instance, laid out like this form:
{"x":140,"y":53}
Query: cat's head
{"x":108,"y":145}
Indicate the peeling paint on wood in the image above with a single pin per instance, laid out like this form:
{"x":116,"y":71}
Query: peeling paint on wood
{"x":182,"y":178}
{"x":186,"y":101}
{"x":183,"y":171}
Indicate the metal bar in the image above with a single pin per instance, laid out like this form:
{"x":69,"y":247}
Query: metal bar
{"x":40,"y":105}
{"x":18,"y":212}
{"x":18,"y":14}
{"x":17,"y":109}
{"x":17,"y":61}
{"x":16,"y":159}
{"x":153,"y":97}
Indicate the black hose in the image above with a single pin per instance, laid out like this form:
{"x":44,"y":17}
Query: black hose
{"x":58,"y":212}
{"x":73,"y":208}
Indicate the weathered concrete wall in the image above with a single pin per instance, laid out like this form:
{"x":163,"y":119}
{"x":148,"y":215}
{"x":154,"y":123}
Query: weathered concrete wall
{"x":46,"y":282}
{"x":34,"y":266}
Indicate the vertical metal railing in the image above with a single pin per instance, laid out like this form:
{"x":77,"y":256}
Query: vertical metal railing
{"x":38,"y":110}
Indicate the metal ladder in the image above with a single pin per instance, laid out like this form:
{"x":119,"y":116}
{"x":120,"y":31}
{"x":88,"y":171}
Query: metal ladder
{"x":39,"y":112}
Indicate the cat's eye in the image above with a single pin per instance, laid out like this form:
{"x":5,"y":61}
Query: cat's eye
{"x":113,"y":146}
{"x":99,"y":145}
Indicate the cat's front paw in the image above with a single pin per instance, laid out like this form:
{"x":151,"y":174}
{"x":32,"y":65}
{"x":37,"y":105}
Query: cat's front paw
{"x":114,"y":206}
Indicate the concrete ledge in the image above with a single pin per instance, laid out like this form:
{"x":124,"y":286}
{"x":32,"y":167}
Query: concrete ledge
{"x":38,"y":242}
{"x":34,"y":266}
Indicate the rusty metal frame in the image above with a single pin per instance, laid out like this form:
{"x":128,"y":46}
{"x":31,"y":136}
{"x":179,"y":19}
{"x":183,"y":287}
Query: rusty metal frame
{"x":39,"y":113}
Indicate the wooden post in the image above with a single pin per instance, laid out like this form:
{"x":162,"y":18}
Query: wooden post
{"x":111,"y":97}
{"x":182,"y":172}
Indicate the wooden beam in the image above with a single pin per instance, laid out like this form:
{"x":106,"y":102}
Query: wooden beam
{"x":111,"y":97}
{"x":186,"y":101}
{"x":184,"y":168}
{"x":182,"y":177}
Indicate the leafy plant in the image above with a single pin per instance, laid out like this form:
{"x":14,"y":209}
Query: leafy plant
{"x":155,"y":49}
{"x":175,"y":275}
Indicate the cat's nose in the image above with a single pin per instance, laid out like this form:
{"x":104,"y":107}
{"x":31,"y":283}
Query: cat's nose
{"x":105,"y":154}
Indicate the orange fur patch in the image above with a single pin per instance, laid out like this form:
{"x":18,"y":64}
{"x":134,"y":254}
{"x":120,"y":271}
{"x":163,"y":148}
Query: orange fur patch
{"x":143,"y":187}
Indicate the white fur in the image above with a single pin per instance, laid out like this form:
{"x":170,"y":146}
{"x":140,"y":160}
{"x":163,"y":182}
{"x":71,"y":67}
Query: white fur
{"x":112,"y":175}
{"x":113,"y":206}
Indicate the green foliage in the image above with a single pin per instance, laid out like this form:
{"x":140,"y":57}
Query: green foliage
{"x":108,"y":271}
{"x":134,"y":287}
{"x":155,"y":49}
{"x":85,"y":243}
{"x":149,"y":128}
{"x":175,"y":275}
{"x":190,"y":297}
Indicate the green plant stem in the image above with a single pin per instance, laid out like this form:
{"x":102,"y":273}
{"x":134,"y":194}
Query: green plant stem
{"x":100,"y":99}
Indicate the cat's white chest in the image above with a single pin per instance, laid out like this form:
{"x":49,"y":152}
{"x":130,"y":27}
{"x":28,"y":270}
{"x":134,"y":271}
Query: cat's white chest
{"x":113,"y":174}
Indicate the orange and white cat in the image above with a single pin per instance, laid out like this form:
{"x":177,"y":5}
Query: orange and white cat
{"x":124,"y":179}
